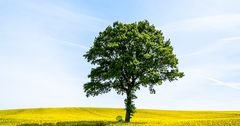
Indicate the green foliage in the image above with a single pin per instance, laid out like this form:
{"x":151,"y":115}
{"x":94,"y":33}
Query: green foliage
{"x":128,"y":57}
{"x":119,"y":119}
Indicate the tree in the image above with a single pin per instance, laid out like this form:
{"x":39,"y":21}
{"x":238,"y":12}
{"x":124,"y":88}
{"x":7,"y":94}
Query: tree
{"x":128,"y":57}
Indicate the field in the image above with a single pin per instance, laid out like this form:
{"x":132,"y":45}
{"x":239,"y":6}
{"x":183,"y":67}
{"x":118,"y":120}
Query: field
{"x":107,"y":116}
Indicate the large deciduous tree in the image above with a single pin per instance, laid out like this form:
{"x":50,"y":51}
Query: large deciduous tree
{"x":127,"y":57}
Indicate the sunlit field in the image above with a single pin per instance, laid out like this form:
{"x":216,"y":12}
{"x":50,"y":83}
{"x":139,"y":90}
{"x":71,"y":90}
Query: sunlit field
{"x":107,"y":116}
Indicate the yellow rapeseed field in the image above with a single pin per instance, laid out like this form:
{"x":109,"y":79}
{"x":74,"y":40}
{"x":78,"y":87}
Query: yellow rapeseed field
{"x":108,"y":116}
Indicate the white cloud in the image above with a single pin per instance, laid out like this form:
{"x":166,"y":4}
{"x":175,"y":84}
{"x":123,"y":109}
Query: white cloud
{"x":217,"y":22}
{"x":216,"y":46}
{"x":33,"y":61}
{"x":36,"y":60}
{"x":231,"y":38}
{"x":235,"y":85}
{"x":212,"y":72}
{"x":70,"y":44}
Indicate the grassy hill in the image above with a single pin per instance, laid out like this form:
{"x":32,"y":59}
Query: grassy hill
{"x":91,"y":116}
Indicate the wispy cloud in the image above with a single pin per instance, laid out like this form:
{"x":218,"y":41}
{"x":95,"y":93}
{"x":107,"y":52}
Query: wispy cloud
{"x":34,"y":54}
{"x":71,"y":44}
{"x":208,"y":49}
{"x":231,"y":38}
{"x":207,"y":73}
{"x":219,"y":44}
{"x":217,"y":22}
{"x":40,"y":44}
{"x":68,"y":43}
{"x":235,"y":85}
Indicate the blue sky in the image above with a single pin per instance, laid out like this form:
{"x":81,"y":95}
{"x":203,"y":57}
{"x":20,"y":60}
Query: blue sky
{"x":42,"y":43}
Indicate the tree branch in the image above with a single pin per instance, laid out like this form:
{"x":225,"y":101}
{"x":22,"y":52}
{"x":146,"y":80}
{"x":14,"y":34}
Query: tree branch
{"x":124,"y":75}
{"x":121,"y":84}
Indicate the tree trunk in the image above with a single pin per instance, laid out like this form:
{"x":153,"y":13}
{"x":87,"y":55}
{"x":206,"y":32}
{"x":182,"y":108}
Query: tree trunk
{"x":128,"y":104}
{"x":128,"y":116}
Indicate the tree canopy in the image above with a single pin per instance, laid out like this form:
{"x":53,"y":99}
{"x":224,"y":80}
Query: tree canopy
{"x":128,"y":57}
